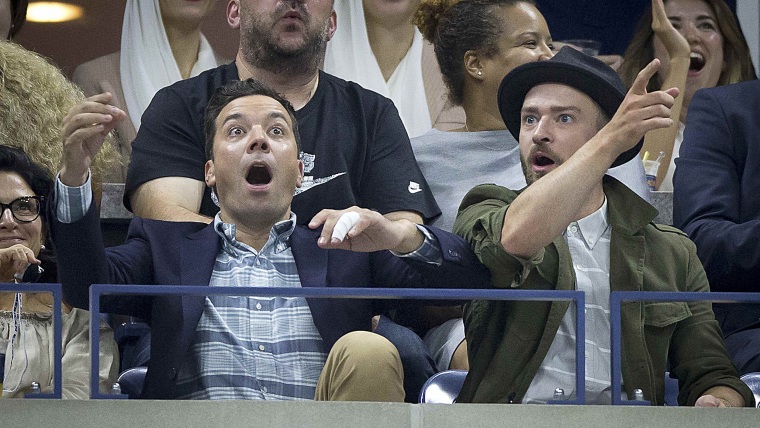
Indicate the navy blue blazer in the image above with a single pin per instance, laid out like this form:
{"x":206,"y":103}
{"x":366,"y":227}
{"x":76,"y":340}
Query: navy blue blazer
{"x":158,"y":252}
{"x":716,"y":196}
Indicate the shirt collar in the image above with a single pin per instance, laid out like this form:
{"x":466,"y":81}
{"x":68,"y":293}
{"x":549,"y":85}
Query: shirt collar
{"x":279,"y":236}
{"x":593,"y":226}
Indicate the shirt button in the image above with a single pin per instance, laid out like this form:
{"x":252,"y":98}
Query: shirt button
{"x":263,"y":389}
{"x":258,"y":305}
{"x":573,"y":229}
{"x":261,"y":347}
{"x":258,"y":262}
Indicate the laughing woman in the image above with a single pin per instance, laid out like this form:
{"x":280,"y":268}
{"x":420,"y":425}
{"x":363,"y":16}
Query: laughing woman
{"x":702,"y":48}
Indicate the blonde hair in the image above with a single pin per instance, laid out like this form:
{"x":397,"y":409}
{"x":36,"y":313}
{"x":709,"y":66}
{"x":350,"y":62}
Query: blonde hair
{"x":34,"y":98}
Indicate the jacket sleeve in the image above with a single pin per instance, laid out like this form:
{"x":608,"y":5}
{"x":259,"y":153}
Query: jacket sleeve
{"x":711,"y":366}
{"x":459,"y":267}
{"x":480,"y":221}
{"x":83,"y":260}
{"x":707,"y":198}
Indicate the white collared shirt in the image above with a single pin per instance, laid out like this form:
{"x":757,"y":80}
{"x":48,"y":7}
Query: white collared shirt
{"x":589,"y":242}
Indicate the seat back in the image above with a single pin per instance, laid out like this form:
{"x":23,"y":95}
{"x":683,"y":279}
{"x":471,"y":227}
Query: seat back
{"x":443,"y":387}
{"x":671,"y":390}
{"x":753,"y":382}
{"x":132,"y":380}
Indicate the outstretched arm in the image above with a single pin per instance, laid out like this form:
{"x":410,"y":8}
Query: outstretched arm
{"x":575,"y":184}
{"x":662,"y":140}
{"x":363,"y":230}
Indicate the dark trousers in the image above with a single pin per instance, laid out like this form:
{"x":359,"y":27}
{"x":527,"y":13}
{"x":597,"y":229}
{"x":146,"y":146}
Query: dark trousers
{"x":415,"y":357}
{"x":744,"y":349}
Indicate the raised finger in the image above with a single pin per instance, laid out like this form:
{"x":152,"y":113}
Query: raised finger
{"x":85,"y":120}
{"x":642,"y":79}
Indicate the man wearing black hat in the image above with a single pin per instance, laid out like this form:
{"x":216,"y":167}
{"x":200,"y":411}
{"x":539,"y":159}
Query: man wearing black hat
{"x":575,"y":228}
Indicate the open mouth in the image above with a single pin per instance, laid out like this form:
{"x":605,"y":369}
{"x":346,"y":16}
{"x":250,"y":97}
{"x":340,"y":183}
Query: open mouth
{"x":259,"y":175}
{"x":542,"y":160}
{"x":696,"y":61}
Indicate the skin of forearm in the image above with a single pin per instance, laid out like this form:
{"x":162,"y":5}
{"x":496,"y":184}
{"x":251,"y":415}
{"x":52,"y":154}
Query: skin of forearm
{"x":663,"y":140}
{"x":570,"y":192}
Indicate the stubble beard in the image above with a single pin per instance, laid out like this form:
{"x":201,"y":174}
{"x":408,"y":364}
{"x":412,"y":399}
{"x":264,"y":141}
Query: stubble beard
{"x":261,"y":50}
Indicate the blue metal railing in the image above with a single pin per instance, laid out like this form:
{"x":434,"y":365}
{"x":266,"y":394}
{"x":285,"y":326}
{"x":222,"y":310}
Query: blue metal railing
{"x":616,"y":299}
{"x":99,"y":290}
{"x":55,"y":291}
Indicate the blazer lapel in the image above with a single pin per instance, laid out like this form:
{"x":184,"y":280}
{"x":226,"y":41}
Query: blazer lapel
{"x":197,"y":256}
{"x":311,"y":261}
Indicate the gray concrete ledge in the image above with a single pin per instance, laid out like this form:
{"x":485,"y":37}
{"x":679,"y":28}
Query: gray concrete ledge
{"x":207,"y":414}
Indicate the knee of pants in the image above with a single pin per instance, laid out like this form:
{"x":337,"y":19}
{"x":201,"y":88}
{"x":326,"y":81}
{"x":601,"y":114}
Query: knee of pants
{"x":363,"y":346}
{"x":362,"y":366}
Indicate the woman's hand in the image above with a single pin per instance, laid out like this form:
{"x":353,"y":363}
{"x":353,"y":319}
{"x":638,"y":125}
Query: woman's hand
{"x":675,"y":43}
{"x":14,"y":260}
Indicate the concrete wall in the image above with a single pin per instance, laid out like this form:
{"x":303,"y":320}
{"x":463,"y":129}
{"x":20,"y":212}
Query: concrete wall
{"x":207,"y":414}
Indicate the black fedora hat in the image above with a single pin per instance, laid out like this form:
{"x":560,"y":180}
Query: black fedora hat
{"x":569,"y":67}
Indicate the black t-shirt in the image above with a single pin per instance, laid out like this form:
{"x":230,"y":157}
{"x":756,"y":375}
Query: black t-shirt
{"x":355,"y":148}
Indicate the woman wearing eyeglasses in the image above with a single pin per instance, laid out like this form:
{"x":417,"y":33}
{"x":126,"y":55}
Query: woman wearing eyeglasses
{"x":26,"y":323}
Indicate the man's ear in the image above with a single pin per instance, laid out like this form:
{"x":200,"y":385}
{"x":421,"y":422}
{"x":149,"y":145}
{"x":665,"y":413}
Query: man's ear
{"x":210,"y":175}
{"x":299,"y":181}
{"x":333,"y":25}
{"x":472,"y":64}
{"x":233,"y":14}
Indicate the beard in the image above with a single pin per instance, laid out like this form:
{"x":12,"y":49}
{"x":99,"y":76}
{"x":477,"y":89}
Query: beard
{"x":530,"y":175}
{"x":533,"y":176}
{"x":262,"y":49}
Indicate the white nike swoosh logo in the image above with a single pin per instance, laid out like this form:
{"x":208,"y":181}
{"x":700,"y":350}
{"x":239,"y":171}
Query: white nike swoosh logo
{"x":310,"y":184}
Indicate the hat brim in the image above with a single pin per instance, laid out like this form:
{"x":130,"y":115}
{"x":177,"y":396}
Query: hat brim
{"x":516,"y":85}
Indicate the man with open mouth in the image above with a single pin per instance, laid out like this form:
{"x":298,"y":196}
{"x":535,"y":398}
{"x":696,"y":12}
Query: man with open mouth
{"x":230,"y":347}
{"x":572,"y":228}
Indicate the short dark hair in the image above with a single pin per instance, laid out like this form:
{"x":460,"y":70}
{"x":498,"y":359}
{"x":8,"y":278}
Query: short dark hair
{"x":238,"y":89}
{"x":16,"y":161}
{"x":455,"y":27}
{"x":18,"y":16}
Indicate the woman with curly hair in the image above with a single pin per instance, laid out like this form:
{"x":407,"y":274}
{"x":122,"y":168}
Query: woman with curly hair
{"x":700,"y":45}
{"x":34,"y":98}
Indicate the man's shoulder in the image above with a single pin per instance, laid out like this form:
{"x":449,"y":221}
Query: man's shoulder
{"x":204,"y":84}
{"x":345,"y":89}
{"x":735,"y":93}
{"x":486,"y":192}
{"x":660,"y":237}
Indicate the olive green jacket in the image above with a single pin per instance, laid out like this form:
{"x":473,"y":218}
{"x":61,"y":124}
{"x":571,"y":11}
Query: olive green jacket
{"x":508,"y":340}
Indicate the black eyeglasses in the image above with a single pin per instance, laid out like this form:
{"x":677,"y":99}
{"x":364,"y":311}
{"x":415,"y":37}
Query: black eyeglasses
{"x":24,"y":209}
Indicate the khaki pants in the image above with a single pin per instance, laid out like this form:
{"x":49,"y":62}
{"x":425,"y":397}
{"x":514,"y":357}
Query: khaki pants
{"x":362,"y":366}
